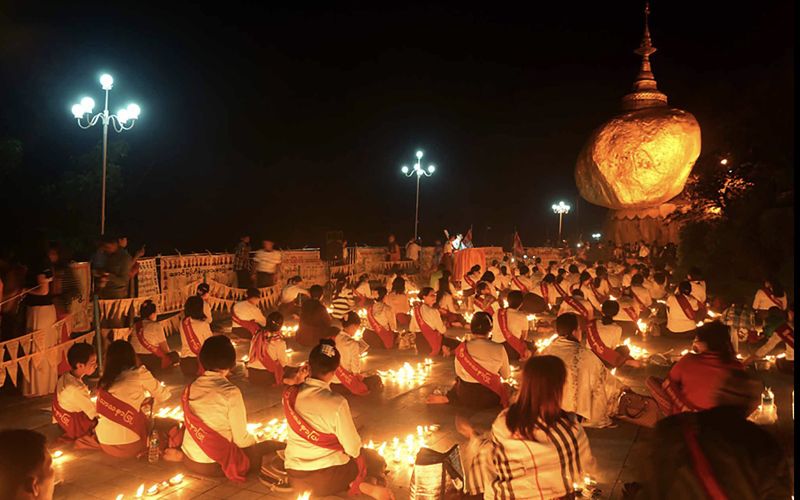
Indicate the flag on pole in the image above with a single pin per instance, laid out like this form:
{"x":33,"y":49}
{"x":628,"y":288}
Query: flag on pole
{"x":467,"y":240}
{"x":518,"y":248}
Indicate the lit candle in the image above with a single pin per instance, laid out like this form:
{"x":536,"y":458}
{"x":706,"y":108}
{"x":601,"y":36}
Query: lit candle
{"x":58,"y":454}
{"x":176,"y":480}
{"x":119,"y":497}
{"x":153,"y":490}
{"x":397,"y":455}
{"x":139,"y":491}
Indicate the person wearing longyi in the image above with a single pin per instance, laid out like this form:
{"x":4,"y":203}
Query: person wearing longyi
{"x":204,"y":292}
{"x":480,"y":366}
{"x":511,"y":328}
{"x":427,"y":324}
{"x":323,"y":450}
{"x":682,"y":309}
{"x":381,"y":322}
{"x":149,"y":342}
{"x":268,"y":358}
{"x":247,"y":317}
{"x":215,"y":440}
{"x":484,"y":301}
{"x":347,"y":378}
{"x":603,"y":337}
{"x":121,"y":425}
{"x":73,"y":409}
{"x":314,"y":319}
{"x":194,"y":331}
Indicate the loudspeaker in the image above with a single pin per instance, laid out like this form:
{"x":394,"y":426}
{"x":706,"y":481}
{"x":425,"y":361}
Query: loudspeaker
{"x":333,"y":248}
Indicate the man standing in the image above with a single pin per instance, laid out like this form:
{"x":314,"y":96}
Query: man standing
{"x":392,"y":250}
{"x":116,"y":274}
{"x":267,"y":261}
{"x":412,"y":250}
{"x":242,"y":264}
{"x":447,"y":256}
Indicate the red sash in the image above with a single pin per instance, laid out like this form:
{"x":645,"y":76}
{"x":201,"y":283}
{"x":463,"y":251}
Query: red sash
{"x":121,"y":413}
{"x":233,"y":460}
{"x":75,"y":424}
{"x":485,"y":305}
{"x":577,"y":306}
{"x":362,"y":299}
{"x":469,"y":281}
{"x":323,"y":440}
{"x":485,"y":377}
{"x":679,"y":402}
{"x":603,"y":352}
{"x":250,"y":325}
{"x":155,"y":350}
{"x":433,"y":337}
{"x":686,"y":307}
{"x":637,"y":299}
{"x":522,"y":288}
{"x":786,"y":333}
{"x":258,"y":351}
{"x":545,"y":292}
{"x":517,"y":343}
{"x":354,"y":383}
{"x":597,"y":295}
{"x":384,"y":333}
{"x":194,"y":342}
{"x":560,"y":290}
{"x":771,"y":297}
{"x":632,"y":313}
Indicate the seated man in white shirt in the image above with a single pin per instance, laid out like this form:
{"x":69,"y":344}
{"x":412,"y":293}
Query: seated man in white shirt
{"x":480,"y":367}
{"x":216,"y":441}
{"x":323,"y":451}
{"x":546,"y":290}
{"x":290,"y":296}
{"x":657,"y":286}
{"x":510,"y":329}
{"x":73,"y":409}
{"x":149,"y":341}
{"x":521,"y":281}
{"x":470,"y":280}
{"x":576,"y":304}
{"x":347,"y":378}
{"x":695,"y":277}
{"x":247,"y":317}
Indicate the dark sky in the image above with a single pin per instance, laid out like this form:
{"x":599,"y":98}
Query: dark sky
{"x":286,"y":121}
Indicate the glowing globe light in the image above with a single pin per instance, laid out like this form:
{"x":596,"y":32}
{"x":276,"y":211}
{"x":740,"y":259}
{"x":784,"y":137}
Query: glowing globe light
{"x":106,"y":81}
{"x":723,"y":161}
{"x":133,"y":111}
{"x":88,"y":104}
{"x":77,"y":111}
{"x":419,"y":154}
{"x":431,"y":169}
{"x":416,"y":166}
{"x":123,"y":115}
{"x":404,"y":169}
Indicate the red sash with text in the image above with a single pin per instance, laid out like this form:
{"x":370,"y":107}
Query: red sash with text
{"x":194,"y":342}
{"x":545,"y":292}
{"x":321,"y":439}
{"x":258,"y":351}
{"x":522,"y":288}
{"x":580,"y":308}
{"x":154,"y":350}
{"x":484,"y":303}
{"x":486,"y":378}
{"x":517,"y":343}
{"x":679,"y":401}
{"x":469,"y":281}
{"x":75,"y":424}
{"x":354,"y":383}
{"x":433,"y":337}
{"x":560,"y":290}
{"x":786,"y":333}
{"x":249,"y":325}
{"x":233,"y":460}
{"x":686,"y":306}
{"x":603,"y":352}
{"x":772,"y":297}
{"x":384,"y":333}
{"x":121,"y":413}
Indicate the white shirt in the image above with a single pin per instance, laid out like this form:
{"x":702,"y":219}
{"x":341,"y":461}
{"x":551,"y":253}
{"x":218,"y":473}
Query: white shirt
{"x":699,"y":290}
{"x":626,"y":302}
{"x":350,"y":354}
{"x":207,"y":311}
{"x":153,"y":334}
{"x":412,"y":251}
{"x":490,"y":355}
{"x":448,"y":304}
{"x":465,"y":285}
{"x":384,"y":315}
{"x":771,"y":344}
{"x":657,"y":292}
{"x":626,"y":279}
{"x":290,"y":292}
{"x":390,"y":282}
{"x":246,"y":311}
{"x":267,"y":262}
{"x":517,"y":326}
{"x":365,"y":290}
{"x":430,"y":316}
{"x":570,"y":281}
{"x":276,"y":349}
{"x":494,"y":307}
{"x":566,"y":308}
{"x":763,"y":303}
{"x":526,"y":282}
{"x":677,"y":321}
{"x":398,"y":302}
{"x":73,"y":396}
{"x":326,"y":412}
{"x":494,"y":270}
{"x":643,"y":294}
{"x":202,"y":330}
{"x":644,"y":251}
{"x":219,"y":404}
{"x":609,"y":334}
{"x":552,"y":293}
{"x":129,"y":388}
{"x":502,"y":281}
{"x":591,"y":297}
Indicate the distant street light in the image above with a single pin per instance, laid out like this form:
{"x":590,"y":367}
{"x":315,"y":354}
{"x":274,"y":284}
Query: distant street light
{"x":560,"y":209}
{"x":123,"y":116}
{"x":419,"y":172}
{"x":596,"y":236}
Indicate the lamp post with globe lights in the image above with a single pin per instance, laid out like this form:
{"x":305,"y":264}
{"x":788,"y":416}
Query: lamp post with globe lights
{"x":123,"y":120}
{"x":560,"y":209}
{"x":419,"y":172}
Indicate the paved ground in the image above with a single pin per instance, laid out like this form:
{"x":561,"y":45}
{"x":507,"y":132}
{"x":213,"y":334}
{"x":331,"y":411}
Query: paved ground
{"x":94,"y":475}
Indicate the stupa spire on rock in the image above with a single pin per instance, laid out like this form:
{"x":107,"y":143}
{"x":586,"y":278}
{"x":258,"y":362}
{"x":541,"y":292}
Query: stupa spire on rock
{"x":645,"y":93}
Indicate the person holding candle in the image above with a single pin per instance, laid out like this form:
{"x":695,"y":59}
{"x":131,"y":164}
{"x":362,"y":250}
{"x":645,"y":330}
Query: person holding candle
{"x":314,"y":319}
{"x":604,"y":335}
{"x":639,"y":293}
{"x":194,"y":331}
{"x":347,"y":378}
{"x":546,"y":290}
{"x":246,"y":315}
{"x":73,"y":409}
{"x":590,"y":291}
{"x":323,"y":451}
{"x":26,"y":466}
{"x":521,"y":281}
{"x":362,"y":291}
{"x":216,"y":441}
{"x":149,"y":341}
{"x":381,"y":330}
{"x":539,"y":450}
{"x":427,"y":324}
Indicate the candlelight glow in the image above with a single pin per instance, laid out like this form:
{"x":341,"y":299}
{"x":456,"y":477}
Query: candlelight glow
{"x":176,"y":479}
{"x":304,"y":496}
{"x":58,"y":454}
{"x":140,"y":491}
{"x":636,"y":351}
{"x":542,"y":343}
{"x":407,"y":373}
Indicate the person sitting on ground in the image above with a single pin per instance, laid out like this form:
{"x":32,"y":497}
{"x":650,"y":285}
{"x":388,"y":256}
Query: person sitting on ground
{"x":772,"y":295}
{"x":682,"y":310}
{"x":450,"y":312}
{"x":381,"y":330}
{"x":246,"y":315}
{"x":470,"y":280}
{"x":314,"y":319}
{"x":122,"y":392}
{"x":783,"y":332}
{"x":591,"y":391}
{"x":590,"y":291}
{"x":396,"y":272}
{"x":484,"y":301}
{"x":204,"y":292}
{"x":194,"y":331}
{"x":546,"y":290}
{"x":481,"y":365}
{"x":494,"y":267}
{"x":489,"y":278}
{"x":535,"y":440}
{"x":268,"y":360}
{"x":640,"y":294}
{"x":695,"y":277}
{"x":398,"y":301}
{"x":502,"y":281}
{"x":573,"y":277}
{"x":603,"y":337}
{"x":657,"y":286}
{"x":561,"y":285}
{"x":694,"y":380}
{"x":216,"y":441}
{"x":343,"y":300}
{"x":510,"y":329}
{"x":347,"y":378}
{"x":715,"y":450}
{"x":291,"y":297}
{"x":323,"y":451}
{"x":426,"y":323}
{"x":435,"y":277}
{"x":73,"y":409}
{"x":26,"y":466}
{"x":521,"y":281}
{"x":362,"y":291}
{"x":149,"y":341}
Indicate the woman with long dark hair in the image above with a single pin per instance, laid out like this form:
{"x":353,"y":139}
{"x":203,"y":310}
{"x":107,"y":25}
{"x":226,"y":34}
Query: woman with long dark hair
{"x":381,"y":330}
{"x":539,"y":450}
{"x":450,"y":312}
{"x":398,"y":300}
{"x":194,"y":331}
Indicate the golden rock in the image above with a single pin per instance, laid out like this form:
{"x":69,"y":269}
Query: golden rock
{"x":638,"y":159}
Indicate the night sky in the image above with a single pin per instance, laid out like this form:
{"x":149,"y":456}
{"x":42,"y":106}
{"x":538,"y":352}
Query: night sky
{"x":287,"y":121}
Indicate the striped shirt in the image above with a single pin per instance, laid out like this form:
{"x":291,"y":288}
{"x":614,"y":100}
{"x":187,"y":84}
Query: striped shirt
{"x":342,"y":304}
{"x":542,"y":469}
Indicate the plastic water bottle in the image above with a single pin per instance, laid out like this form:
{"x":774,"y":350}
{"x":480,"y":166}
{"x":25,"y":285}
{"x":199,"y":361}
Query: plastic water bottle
{"x":152,"y":455}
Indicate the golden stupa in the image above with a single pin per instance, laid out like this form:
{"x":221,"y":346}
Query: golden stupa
{"x":642,"y":157}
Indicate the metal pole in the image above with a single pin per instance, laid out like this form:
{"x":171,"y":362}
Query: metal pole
{"x":416,"y":212}
{"x":105,"y":154}
{"x":98,"y":334}
{"x":560,"y":214}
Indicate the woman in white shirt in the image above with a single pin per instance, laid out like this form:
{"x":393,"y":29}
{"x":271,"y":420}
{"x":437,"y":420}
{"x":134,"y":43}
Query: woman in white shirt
{"x":484,"y":300}
{"x":536,"y":445}
{"x":194,"y":331}
{"x":122,"y":425}
{"x":362,"y":291}
{"x":682,"y":310}
{"x":427,"y":323}
{"x":398,"y":300}
{"x":290,"y":297}
{"x":149,"y":342}
{"x":381,"y":331}
{"x":502,"y":280}
{"x":450,"y":312}
{"x":267,"y":362}
{"x":348,"y":378}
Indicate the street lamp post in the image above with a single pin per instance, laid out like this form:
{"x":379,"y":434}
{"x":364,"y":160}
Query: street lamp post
{"x":560,"y":209}
{"x":419,"y":172}
{"x":129,"y":114}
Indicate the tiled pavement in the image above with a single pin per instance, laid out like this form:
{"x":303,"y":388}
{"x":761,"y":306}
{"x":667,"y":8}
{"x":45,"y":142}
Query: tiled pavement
{"x":89,"y":475}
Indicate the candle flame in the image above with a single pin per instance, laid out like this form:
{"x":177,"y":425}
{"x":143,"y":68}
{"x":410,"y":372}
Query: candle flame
{"x":305,"y":496}
{"x":58,"y":454}
{"x":140,"y":491}
{"x":542,"y":343}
